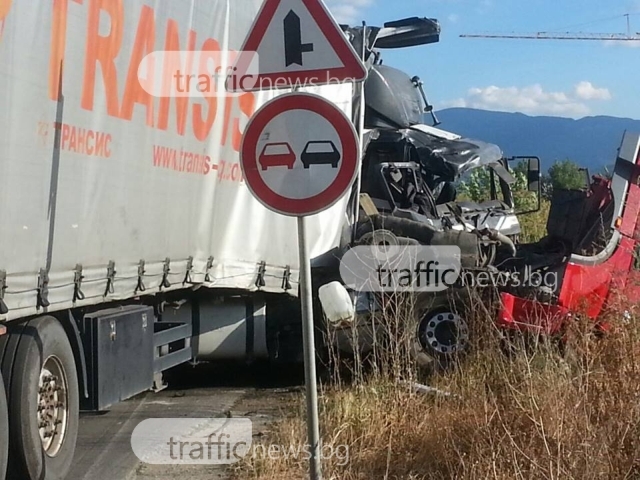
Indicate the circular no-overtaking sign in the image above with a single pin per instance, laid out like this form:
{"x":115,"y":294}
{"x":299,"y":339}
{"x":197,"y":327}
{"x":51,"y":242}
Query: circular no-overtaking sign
{"x":299,"y":154}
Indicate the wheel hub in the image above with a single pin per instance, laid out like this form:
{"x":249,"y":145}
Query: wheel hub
{"x":445,"y":333}
{"x":53,"y":406}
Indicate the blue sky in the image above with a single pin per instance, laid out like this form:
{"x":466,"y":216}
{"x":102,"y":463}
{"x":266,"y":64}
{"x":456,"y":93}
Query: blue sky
{"x":537,"y":77}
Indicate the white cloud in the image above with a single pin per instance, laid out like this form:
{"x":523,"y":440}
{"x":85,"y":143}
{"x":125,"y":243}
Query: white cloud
{"x":533,"y":99}
{"x":625,"y":43}
{"x":453,"y":18}
{"x":348,"y":11}
{"x":586,"y":91}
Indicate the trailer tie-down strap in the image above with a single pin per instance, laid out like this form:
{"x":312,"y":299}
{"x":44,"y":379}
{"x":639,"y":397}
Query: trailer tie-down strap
{"x":262,"y":271}
{"x":166,"y":270}
{"x":187,"y":278}
{"x":3,"y":286}
{"x":43,"y":289}
{"x":207,"y":277}
{"x":111,"y":277}
{"x":141,"y":271}
{"x":77,"y":281}
{"x":286,"y":280}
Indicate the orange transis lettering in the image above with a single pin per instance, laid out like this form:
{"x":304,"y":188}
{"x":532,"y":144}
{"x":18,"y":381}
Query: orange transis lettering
{"x":58,"y":42}
{"x":103,"y":50}
{"x":201,"y":127}
{"x":170,"y":69}
{"x":247,"y":103}
{"x":144,"y":44}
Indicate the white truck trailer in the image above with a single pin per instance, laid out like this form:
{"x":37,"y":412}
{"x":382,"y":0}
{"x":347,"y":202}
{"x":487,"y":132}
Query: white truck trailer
{"x":128,"y":237}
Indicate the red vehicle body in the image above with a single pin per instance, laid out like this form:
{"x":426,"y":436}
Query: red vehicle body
{"x":591,"y":284}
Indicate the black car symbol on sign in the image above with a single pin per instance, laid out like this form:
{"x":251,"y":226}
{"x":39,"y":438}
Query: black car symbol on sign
{"x":320,"y":153}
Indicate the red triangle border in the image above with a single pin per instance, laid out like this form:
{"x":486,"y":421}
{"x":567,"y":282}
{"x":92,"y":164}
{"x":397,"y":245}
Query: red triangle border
{"x":352,"y":68}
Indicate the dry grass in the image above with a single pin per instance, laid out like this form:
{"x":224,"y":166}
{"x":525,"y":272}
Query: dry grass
{"x":536,"y":412}
{"x":534,"y":225}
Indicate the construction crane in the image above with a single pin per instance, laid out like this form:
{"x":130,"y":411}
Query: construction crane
{"x":614,"y":37}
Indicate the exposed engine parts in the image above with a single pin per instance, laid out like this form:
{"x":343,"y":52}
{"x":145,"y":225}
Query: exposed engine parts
{"x":478,"y":248}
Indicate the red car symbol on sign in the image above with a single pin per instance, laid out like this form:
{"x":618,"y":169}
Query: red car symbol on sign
{"x":320,"y":153}
{"x":277,"y":155}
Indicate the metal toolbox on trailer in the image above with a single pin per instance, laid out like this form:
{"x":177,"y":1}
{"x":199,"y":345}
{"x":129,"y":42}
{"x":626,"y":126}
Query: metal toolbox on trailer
{"x":119,"y":351}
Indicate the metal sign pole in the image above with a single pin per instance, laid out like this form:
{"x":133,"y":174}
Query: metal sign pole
{"x":299,"y":63}
{"x":306,"y":298}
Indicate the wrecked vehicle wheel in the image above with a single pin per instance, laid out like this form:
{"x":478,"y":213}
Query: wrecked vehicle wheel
{"x":442,"y":333}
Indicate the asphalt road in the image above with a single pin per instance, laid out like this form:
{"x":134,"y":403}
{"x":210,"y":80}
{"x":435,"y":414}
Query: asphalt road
{"x":104,"y":448}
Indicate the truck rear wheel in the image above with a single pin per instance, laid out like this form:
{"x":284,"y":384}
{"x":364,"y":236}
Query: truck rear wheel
{"x":44,"y":402}
{"x":4,"y":431}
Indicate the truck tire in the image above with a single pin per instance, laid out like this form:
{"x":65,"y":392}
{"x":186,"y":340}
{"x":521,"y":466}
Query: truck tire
{"x":441,"y":331}
{"x":4,"y":431}
{"x":44,"y":403}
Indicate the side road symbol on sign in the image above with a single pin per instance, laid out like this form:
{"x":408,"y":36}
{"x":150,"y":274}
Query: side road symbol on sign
{"x":293,"y":46}
{"x":299,"y":154}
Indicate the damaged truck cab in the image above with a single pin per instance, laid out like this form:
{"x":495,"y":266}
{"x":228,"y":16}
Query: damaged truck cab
{"x":409,"y":179}
{"x":592,"y":244}
{"x":411,"y":170}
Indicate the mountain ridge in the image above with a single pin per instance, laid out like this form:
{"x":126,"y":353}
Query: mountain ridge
{"x":591,"y":141}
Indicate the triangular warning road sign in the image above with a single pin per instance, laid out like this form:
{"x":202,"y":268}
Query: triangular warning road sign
{"x":295,"y":43}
